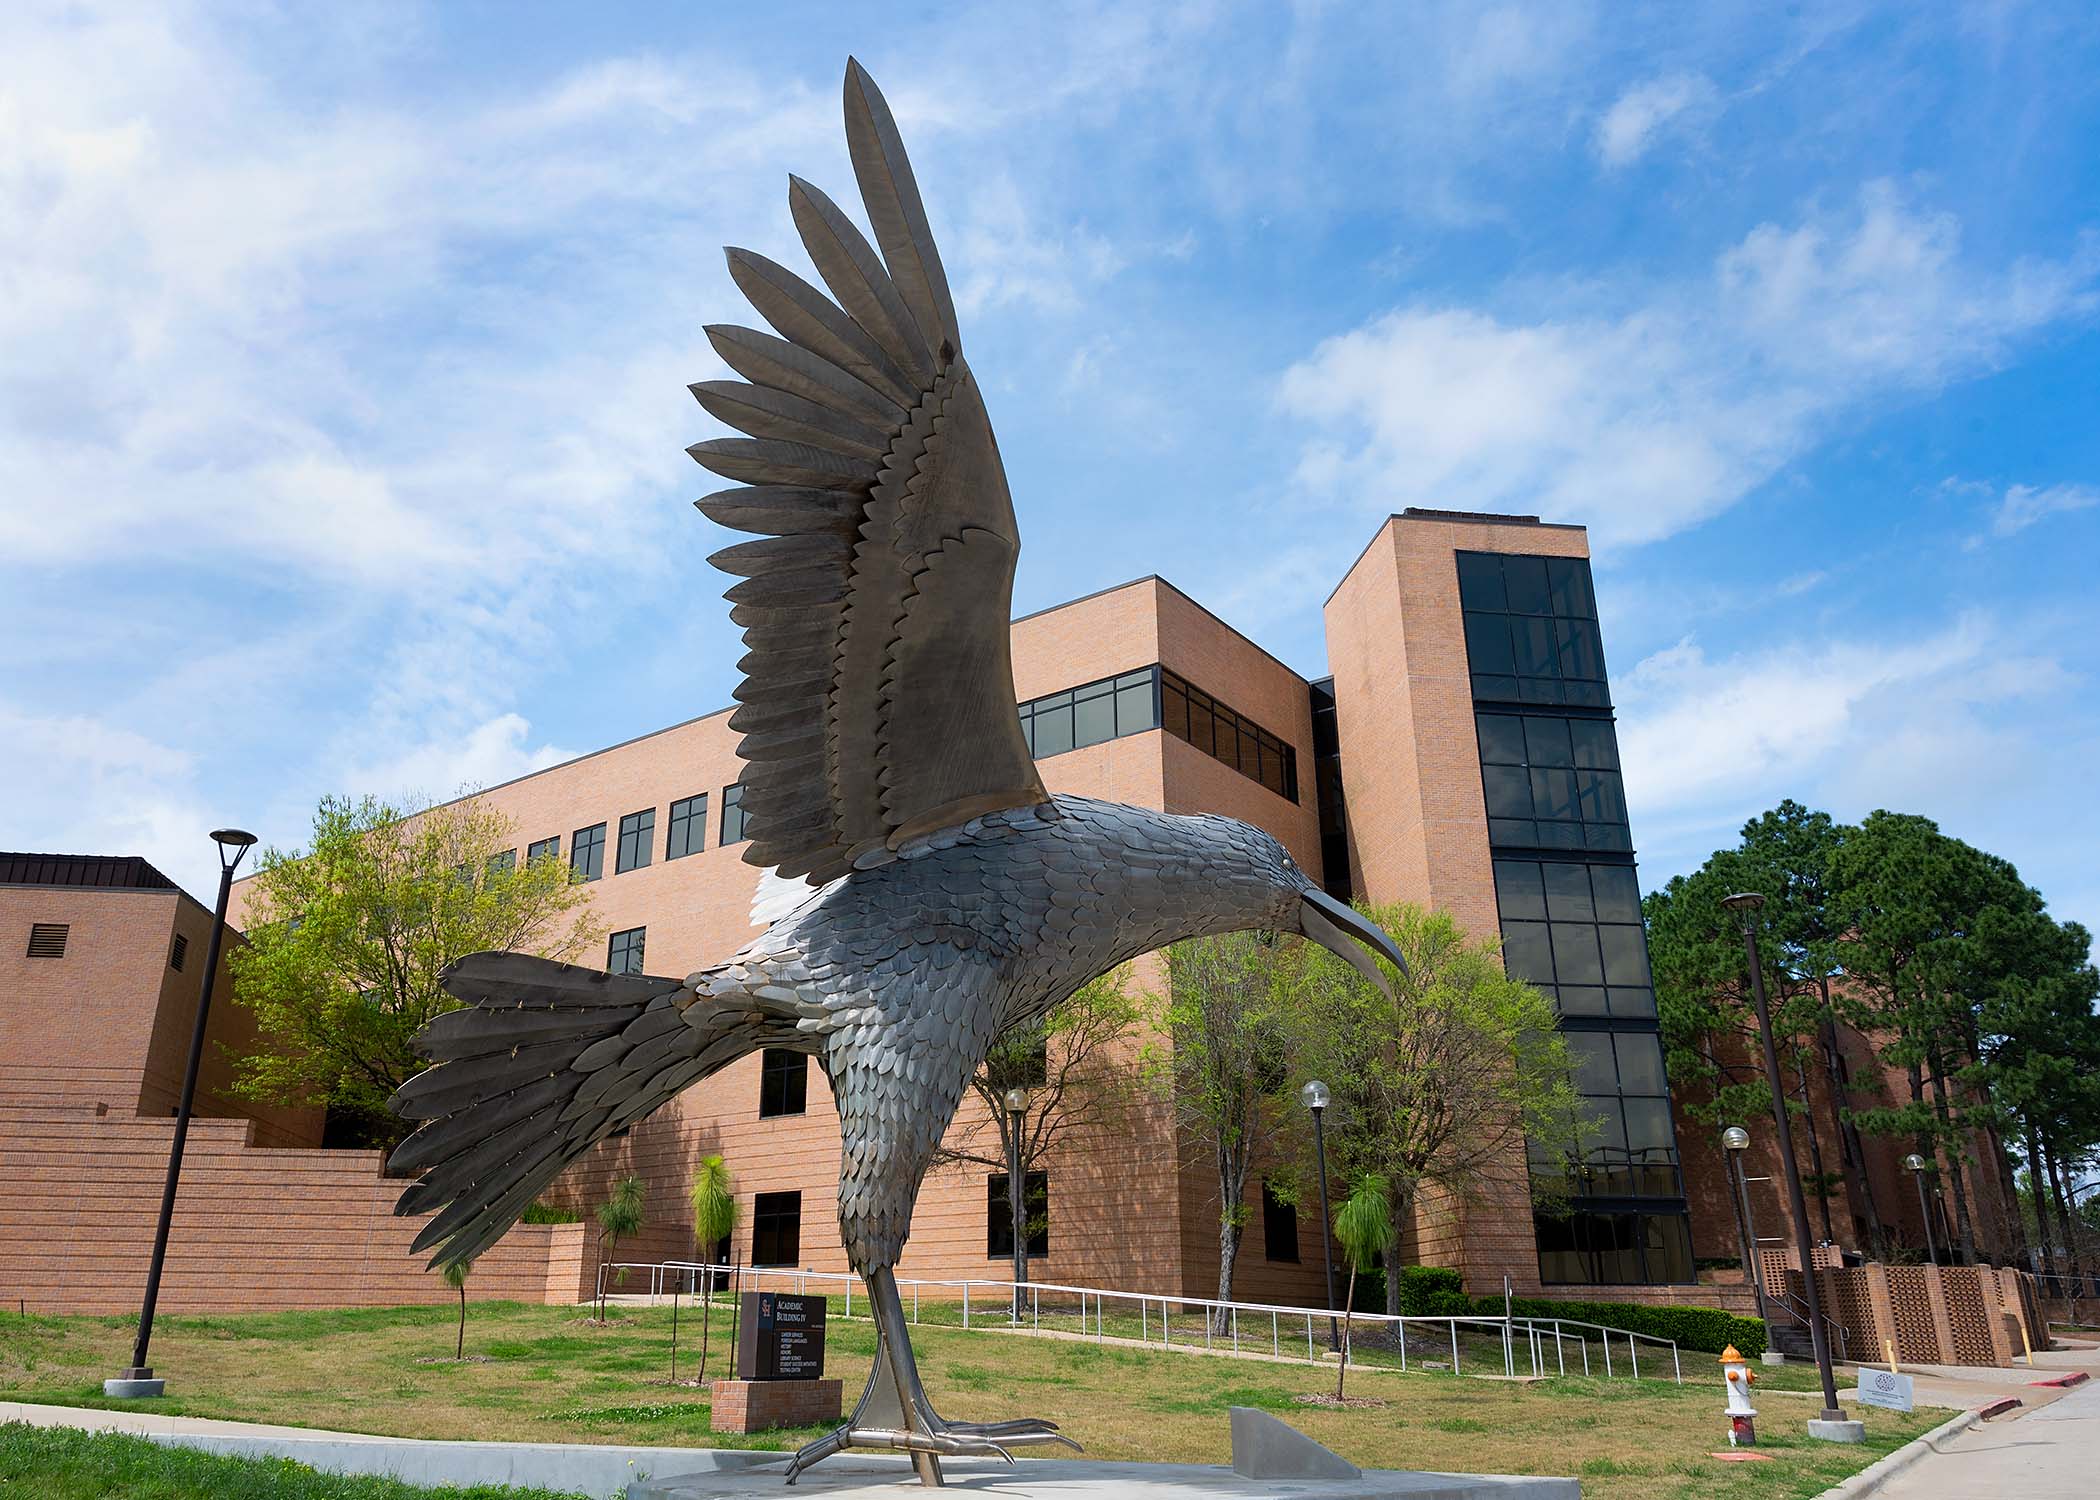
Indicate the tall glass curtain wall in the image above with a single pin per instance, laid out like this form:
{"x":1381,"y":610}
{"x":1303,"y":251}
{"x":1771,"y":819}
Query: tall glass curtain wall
{"x":1570,"y":908}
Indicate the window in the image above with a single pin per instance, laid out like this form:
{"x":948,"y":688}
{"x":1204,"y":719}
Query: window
{"x":1218,"y":731}
{"x":732,"y":815}
{"x":1588,"y":1247}
{"x":637,"y":841}
{"x":1088,"y":715}
{"x":999,"y":1216}
{"x":543,"y":849}
{"x":623,"y":951}
{"x":178,"y":953}
{"x":783,"y":1083}
{"x":587,"y":852}
{"x":1279,"y":1227}
{"x":776,"y":1229}
{"x":1531,"y":629}
{"x":688,"y":834}
{"x":1327,"y":790}
{"x":48,"y":939}
{"x":1551,"y":781}
{"x":1574,"y":930}
{"x":504,"y":863}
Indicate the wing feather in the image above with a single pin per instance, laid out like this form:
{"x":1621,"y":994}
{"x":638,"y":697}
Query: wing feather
{"x":877,"y":700}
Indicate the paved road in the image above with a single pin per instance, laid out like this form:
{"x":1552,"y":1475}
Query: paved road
{"x":2048,"y":1454}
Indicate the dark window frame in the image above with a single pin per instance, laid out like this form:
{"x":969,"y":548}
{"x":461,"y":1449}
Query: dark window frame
{"x":624,"y":950}
{"x":733,"y":802}
{"x":1228,"y":736}
{"x":776,"y":1228}
{"x":685,"y":833}
{"x":587,"y":853}
{"x":1279,"y":1229}
{"x":547,"y":848}
{"x":783,"y":1083}
{"x":999,"y":1215}
{"x":637,"y":845}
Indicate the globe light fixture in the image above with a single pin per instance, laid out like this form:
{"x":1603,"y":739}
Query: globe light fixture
{"x":1735,"y":1138}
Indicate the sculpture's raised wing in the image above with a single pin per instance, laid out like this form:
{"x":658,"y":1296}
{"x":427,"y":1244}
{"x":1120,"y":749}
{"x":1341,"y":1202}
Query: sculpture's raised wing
{"x":878,"y":697}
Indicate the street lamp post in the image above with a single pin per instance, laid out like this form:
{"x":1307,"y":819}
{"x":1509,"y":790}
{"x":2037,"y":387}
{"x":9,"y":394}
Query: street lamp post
{"x":138,"y":1379}
{"x":1737,"y":1140}
{"x":1834,"y":1423}
{"x":1016,"y":1102}
{"x":1314,"y":1097}
{"x":1916,"y":1166}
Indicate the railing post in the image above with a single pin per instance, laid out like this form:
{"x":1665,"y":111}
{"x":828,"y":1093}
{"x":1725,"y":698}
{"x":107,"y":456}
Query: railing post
{"x":966,"y":1302}
{"x":1676,"y":1364}
{"x":1454,"y":1346}
{"x":1633,"y":1353}
{"x":849,"y":1296}
{"x":1606,"y":1342}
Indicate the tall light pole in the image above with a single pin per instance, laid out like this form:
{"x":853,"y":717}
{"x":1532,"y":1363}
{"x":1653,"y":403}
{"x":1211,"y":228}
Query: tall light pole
{"x":1016,"y":1102}
{"x":1916,"y":1166}
{"x":1833,"y":1424}
{"x":1737,"y":1140}
{"x":138,"y":1380}
{"x":1314,"y":1097}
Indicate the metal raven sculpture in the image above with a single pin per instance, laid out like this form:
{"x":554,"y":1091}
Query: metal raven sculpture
{"x":935,"y":893}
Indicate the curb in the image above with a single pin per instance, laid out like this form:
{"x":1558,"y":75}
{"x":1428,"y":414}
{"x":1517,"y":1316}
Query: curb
{"x":2076,"y":1377}
{"x":1883,"y":1469}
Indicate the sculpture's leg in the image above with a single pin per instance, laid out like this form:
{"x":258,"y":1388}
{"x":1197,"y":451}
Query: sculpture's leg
{"x":894,"y":1413}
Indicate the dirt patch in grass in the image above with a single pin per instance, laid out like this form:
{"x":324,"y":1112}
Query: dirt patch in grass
{"x":541,"y":1374}
{"x":1345,"y":1403}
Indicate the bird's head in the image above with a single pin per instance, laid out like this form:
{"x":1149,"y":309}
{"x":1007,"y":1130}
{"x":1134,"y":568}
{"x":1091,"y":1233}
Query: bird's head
{"x":1259,"y":885}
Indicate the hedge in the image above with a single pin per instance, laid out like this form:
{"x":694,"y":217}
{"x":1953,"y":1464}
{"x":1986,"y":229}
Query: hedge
{"x":1704,"y":1329}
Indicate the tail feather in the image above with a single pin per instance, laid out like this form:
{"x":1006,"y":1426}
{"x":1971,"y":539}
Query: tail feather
{"x":547,"y":1059}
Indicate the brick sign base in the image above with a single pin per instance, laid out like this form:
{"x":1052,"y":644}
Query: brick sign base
{"x":754,"y":1405}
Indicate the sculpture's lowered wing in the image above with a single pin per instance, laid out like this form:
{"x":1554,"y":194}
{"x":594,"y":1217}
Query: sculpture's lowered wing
{"x":878,"y":697}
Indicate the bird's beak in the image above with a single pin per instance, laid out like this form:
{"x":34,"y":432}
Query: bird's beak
{"x":1342,"y":931}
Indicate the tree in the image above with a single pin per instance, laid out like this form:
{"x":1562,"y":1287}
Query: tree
{"x":1225,"y":1067}
{"x":1702,"y":991}
{"x":713,"y":1198}
{"x":1442,"y":1085}
{"x":619,"y":1216}
{"x":347,"y":940}
{"x":1361,"y":1229}
{"x":456,"y":1273}
{"x":1076,"y":1062}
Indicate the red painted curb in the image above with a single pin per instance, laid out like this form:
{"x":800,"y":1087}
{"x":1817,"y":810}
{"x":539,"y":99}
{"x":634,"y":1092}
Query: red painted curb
{"x":1998,"y":1408}
{"x":2076,"y":1377}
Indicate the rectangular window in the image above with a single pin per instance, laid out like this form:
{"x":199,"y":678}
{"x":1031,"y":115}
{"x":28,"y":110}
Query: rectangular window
{"x":688,"y":832}
{"x":1226,"y":735}
{"x":623,"y":951}
{"x":776,"y":1229}
{"x":732,"y":815}
{"x":543,"y":849}
{"x":1614,"y":1249}
{"x":1279,"y":1228}
{"x":504,"y":863}
{"x":637,"y":841}
{"x":1090,"y":714}
{"x":48,"y":939}
{"x":999,"y":1216}
{"x":179,"y":953}
{"x":1531,"y":629}
{"x":587,"y":852}
{"x":1547,"y":782}
{"x":783,"y":1083}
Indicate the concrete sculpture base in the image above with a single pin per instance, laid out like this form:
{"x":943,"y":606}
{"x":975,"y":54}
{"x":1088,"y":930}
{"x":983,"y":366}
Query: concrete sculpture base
{"x":129,"y":1387}
{"x":755,"y":1405}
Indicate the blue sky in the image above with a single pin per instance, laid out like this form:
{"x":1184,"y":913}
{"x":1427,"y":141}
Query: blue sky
{"x":343,"y":354}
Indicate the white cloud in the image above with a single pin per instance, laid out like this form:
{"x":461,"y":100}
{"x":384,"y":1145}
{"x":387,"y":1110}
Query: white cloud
{"x":1928,"y":722}
{"x":1627,"y":129}
{"x":485,"y":755}
{"x":2022,"y":505}
{"x":1644,"y":422}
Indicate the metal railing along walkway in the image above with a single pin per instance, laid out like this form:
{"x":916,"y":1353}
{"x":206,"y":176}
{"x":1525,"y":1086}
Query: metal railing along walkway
{"x":1521,"y":1346}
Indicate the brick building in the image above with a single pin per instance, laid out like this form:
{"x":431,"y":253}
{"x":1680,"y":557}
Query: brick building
{"x":1462,"y":755}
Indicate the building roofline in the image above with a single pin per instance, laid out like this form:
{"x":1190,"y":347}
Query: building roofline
{"x":1048,"y":609}
{"x":1446,"y":517}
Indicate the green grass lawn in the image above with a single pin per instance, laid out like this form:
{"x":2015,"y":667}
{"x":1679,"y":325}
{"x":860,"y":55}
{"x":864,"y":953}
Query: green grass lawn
{"x":547,"y":1374}
{"x":61,"y":1464}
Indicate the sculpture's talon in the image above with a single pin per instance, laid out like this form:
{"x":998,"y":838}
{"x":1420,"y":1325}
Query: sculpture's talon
{"x":1011,"y":1428}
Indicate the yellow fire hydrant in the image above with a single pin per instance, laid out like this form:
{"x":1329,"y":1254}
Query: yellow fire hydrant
{"x":1742,"y":1424}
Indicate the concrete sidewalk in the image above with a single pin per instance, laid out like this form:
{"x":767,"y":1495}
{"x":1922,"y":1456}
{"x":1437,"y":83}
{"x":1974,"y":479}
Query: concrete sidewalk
{"x":2050,"y":1454}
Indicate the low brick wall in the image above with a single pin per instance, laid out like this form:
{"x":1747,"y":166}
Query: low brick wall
{"x":255,"y":1228}
{"x":756,"y":1405}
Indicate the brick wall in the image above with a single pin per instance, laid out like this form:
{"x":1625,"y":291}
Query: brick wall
{"x":254,"y":1227}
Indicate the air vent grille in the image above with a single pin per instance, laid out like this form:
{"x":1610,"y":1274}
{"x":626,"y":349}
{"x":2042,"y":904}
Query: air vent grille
{"x":48,"y":939}
{"x":180,"y":952}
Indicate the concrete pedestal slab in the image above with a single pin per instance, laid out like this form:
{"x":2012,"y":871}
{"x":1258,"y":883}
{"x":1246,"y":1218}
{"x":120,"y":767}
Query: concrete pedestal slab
{"x":127,"y":1390}
{"x":884,"y":1477}
{"x":1837,"y":1432}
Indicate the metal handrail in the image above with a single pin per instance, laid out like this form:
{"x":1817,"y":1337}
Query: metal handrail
{"x":1530,"y":1334}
